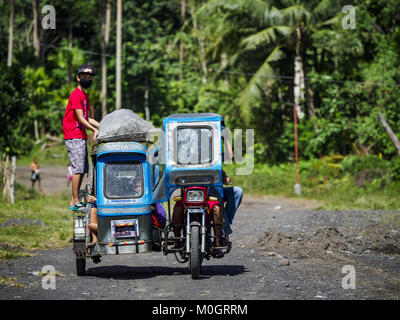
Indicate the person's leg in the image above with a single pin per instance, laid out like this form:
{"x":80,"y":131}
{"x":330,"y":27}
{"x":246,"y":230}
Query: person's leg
{"x":177,"y":220}
{"x":76,"y":151}
{"x":76,"y":180}
{"x":217,"y":218}
{"x":233,"y":196}
{"x":93,"y":225}
{"x":229,"y":207}
{"x":85,"y":161}
{"x":237,"y":199}
{"x":80,"y":181}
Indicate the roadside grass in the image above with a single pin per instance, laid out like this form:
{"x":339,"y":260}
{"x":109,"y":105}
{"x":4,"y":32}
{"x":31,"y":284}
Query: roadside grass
{"x":54,"y":156}
{"x":11,"y":282}
{"x":34,"y":222}
{"x":330,"y":180}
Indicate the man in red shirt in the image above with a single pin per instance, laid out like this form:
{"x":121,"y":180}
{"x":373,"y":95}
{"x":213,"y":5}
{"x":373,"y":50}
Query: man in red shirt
{"x":78,"y":117}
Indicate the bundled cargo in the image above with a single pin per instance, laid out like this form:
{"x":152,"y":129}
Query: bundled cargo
{"x":125,"y":125}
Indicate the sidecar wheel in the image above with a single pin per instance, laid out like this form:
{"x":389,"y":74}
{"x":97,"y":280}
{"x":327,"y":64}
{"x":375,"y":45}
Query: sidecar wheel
{"x":80,"y":266}
{"x":195,"y":259}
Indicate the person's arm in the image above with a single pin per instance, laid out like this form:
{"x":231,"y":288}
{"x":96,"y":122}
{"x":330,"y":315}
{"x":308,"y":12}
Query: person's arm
{"x":91,"y":199}
{"x":225,"y":178}
{"x":94,"y":123}
{"x":82,"y":120}
{"x":228,"y":148}
{"x":91,"y":120}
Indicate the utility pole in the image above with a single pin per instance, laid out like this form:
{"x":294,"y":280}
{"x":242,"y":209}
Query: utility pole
{"x":146,"y":100}
{"x":11,"y":35}
{"x":118,"y":67}
{"x":297,"y":186}
{"x":105,"y":33}
{"x":181,"y":46}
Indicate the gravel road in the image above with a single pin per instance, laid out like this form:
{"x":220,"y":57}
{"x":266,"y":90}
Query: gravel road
{"x":261,"y":265}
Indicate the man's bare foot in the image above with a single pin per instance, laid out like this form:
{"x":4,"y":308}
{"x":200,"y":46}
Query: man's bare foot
{"x":91,"y":244}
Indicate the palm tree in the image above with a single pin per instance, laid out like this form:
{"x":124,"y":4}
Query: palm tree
{"x":274,"y":28}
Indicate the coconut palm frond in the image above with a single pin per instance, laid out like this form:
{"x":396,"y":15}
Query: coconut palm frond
{"x":324,"y":8}
{"x":265,"y":75}
{"x":329,"y":22}
{"x":265,"y":37}
{"x":294,"y":14}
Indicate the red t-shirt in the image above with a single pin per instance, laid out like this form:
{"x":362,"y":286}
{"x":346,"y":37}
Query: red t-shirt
{"x":72,"y":129}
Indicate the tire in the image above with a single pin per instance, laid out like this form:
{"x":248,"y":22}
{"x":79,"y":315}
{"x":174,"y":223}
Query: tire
{"x":195,"y":258}
{"x":80,"y":266}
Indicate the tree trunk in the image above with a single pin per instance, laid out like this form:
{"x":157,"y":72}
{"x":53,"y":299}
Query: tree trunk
{"x":36,"y":126}
{"x":146,"y":100}
{"x":36,"y":45}
{"x":6,"y":177}
{"x":308,"y":91}
{"x":389,"y":132}
{"x":11,"y":35}
{"x":298,"y":76}
{"x":12,"y":178}
{"x":201,"y":42}
{"x":36,"y":34}
{"x":118,"y":66}
{"x":70,"y":72}
{"x":105,"y":34}
{"x":224,"y":63}
{"x":181,"y":46}
{"x":310,"y":101}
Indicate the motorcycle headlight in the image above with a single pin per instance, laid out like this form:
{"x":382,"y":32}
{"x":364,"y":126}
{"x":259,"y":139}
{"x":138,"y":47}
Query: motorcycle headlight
{"x":195,"y":195}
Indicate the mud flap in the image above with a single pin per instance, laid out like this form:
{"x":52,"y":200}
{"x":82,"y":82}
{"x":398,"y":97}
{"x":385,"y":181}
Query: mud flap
{"x":79,"y":249}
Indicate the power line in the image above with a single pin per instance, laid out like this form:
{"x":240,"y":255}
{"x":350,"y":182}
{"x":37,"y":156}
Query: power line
{"x":238,"y":73}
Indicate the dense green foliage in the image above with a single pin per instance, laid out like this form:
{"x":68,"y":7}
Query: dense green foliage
{"x":367,"y":183}
{"x":238,"y":61}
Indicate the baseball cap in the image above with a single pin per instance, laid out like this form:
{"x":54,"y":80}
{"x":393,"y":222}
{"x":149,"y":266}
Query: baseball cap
{"x":86,"y":68}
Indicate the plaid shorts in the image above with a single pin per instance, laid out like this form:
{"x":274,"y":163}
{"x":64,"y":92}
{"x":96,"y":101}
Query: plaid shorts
{"x":78,"y":155}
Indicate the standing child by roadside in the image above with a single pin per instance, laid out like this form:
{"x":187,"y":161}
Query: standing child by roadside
{"x":35,"y":173}
{"x":78,"y":117}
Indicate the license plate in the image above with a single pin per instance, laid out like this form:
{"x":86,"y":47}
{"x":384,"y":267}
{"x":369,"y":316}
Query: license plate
{"x":125,"y":228}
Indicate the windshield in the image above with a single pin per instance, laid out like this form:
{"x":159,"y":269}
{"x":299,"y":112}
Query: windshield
{"x":123,"y":180}
{"x":194,"y":145}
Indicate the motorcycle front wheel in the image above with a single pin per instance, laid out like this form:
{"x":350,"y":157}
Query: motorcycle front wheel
{"x":195,"y":254}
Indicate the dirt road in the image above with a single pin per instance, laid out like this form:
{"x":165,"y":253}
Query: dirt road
{"x":282,"y":249}
{"x":53,"y":179}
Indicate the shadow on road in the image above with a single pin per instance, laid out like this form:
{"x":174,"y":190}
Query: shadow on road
{"x":129,"y":273}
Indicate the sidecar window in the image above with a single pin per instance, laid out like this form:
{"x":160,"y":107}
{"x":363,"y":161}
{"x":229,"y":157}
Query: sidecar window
{"x":123,"y":180}
{"x":194,"y":145}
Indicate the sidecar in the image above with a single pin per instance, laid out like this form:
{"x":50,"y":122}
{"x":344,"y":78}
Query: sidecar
{"x":122,"y":180}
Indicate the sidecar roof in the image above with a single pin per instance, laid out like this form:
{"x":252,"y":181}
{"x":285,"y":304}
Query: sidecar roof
{"x":121,"y":147}
{"x":193,"y":117}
